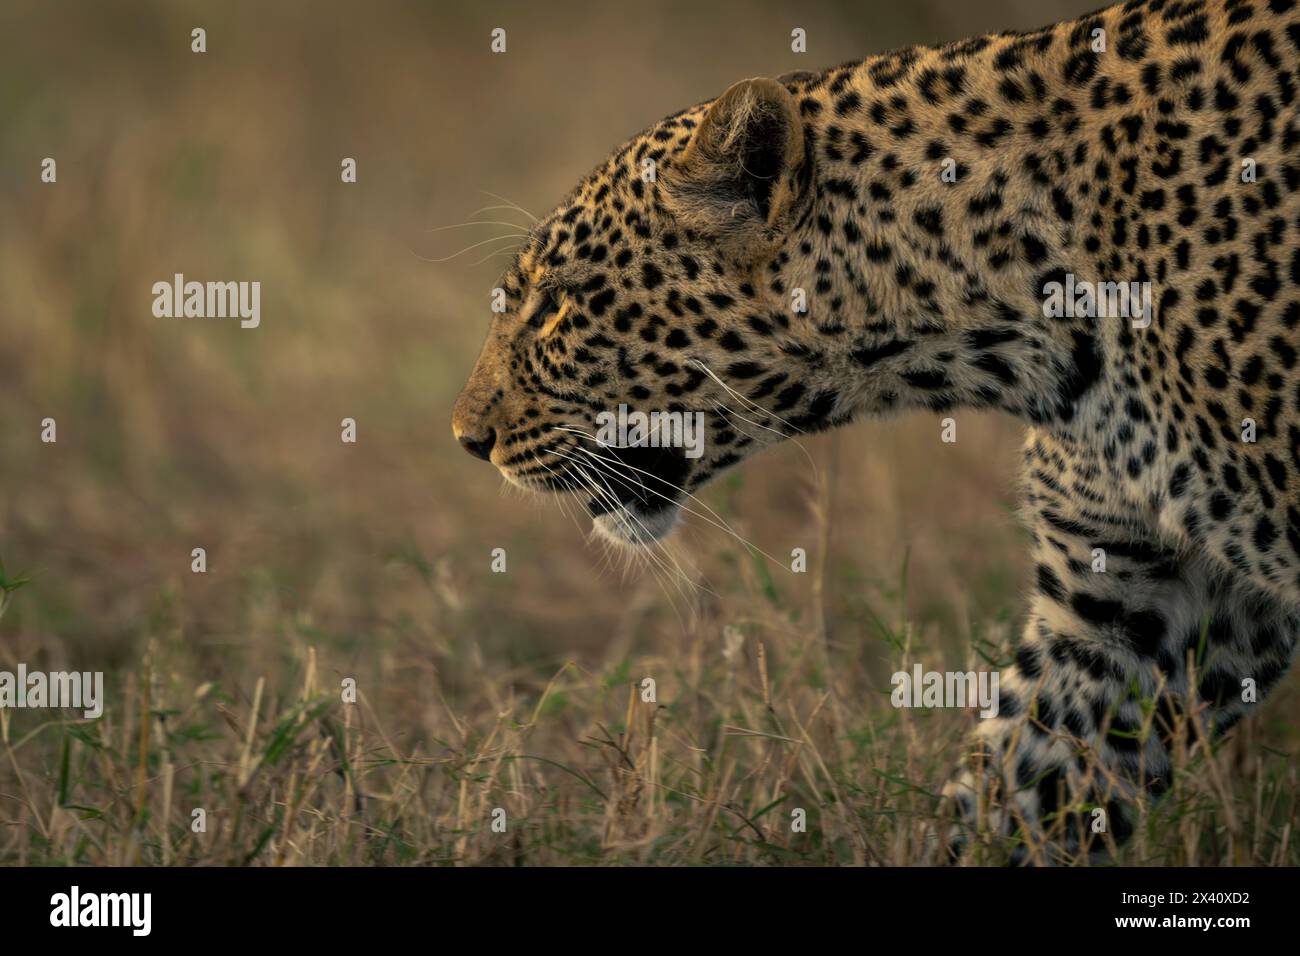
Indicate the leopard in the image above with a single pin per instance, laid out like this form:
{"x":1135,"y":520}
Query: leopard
{"x":1094,"y":228}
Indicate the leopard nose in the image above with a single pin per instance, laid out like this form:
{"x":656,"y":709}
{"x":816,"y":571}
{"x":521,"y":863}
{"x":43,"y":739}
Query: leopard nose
{"x":480,"y":447}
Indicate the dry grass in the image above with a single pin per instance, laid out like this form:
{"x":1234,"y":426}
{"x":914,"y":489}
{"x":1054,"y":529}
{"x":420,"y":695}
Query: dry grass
{"x":744,"y":732}
{"x":476,"y":691}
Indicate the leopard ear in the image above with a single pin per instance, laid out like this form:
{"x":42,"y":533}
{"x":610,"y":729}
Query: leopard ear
{"x":744,"y":173}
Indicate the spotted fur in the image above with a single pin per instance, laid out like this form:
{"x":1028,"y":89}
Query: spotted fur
{"x":924,"y":294}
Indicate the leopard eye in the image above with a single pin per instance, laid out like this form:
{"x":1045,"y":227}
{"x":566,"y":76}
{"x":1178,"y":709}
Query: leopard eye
{"x":547,"y":307}
{"x":546,"y":318}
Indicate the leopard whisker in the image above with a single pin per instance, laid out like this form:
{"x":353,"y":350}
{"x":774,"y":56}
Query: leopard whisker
{"x":517,"y":237}
{"x":608,"y":495}
{"x":509,"y":204}
{"x":759,"y":408}
{"x":652,"y":561}
{"x":476,"y":222}
{"x":721,"y":523}
{"x":729,"y":413}
{"x":570,"y":491}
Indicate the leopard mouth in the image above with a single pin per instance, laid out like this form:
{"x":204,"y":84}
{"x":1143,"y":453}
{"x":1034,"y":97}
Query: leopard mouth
{"x":642,"y":493}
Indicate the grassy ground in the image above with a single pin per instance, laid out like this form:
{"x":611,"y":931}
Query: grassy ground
{"x":475,"y":691}
{"x":753,"y":720}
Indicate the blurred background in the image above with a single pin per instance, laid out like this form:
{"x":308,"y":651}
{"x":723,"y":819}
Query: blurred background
{"x":372,"y":560}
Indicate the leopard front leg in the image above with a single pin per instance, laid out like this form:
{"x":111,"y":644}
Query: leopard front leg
{"x":1057,"y":767}
{"x":1121,"y":625}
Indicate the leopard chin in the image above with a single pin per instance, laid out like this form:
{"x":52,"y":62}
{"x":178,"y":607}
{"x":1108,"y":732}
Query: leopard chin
{"x":639,"y":493}
{"x":636,"y":524}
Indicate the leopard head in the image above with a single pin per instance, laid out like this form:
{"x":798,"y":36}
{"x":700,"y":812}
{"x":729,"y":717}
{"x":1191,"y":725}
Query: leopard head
{"x":656,"y":288}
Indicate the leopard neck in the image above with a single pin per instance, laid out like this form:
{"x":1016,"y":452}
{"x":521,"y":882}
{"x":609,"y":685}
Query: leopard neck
{"x":946,"y":190}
